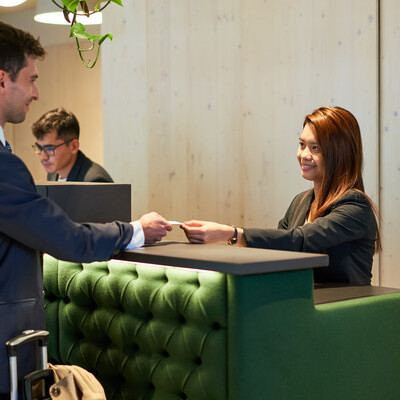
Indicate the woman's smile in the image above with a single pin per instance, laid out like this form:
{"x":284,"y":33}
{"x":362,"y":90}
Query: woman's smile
{"x":310,"y":156}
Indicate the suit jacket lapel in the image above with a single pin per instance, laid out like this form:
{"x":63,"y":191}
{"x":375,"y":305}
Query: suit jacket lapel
{"x":302,"y":210}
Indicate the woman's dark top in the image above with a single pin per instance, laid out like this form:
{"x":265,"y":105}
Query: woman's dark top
{"x":346,"y":233}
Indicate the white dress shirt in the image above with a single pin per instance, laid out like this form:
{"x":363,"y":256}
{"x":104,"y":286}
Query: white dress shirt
{"x":137,"y":237}
{"x":2,"y":138}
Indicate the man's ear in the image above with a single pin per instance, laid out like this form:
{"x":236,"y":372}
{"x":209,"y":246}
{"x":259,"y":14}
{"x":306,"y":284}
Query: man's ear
{"x":74,"y":146}
{"x":3,"y":77}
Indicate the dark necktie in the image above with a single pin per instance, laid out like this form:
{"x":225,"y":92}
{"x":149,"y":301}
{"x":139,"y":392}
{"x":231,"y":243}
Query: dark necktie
{"x":8,"y":147}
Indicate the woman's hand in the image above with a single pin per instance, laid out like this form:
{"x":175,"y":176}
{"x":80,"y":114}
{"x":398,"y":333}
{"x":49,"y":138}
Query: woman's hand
{"x":207,"y":232}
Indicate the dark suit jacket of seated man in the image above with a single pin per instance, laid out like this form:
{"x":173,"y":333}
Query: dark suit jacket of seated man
{"x":84,"y":170}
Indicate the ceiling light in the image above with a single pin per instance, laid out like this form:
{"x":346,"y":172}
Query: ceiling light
{"x":48,"y":13}
{"x":11,"y":3}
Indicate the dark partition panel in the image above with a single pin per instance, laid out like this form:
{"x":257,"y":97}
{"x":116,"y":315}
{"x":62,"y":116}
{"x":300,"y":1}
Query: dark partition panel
{"x":90,"y":202}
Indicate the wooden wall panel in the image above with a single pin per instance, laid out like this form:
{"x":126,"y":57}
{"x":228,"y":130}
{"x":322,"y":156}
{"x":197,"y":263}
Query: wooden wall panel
{"x":193,"y":114}
{"x":390,"y":142}
{"x":217,"y":94}
{"x":125,"y":93}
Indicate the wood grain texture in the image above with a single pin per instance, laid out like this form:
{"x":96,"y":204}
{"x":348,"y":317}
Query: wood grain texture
{"x":390,"y":142}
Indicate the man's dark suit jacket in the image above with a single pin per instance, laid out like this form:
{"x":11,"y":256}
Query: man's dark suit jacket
{"x":84,"y":170}
{"x":347,"y":233}
{"x":30,"y":223}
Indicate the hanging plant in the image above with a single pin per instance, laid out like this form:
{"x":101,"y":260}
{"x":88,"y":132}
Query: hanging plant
{"x":74,"y":8}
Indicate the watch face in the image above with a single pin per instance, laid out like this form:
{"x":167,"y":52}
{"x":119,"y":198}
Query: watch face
{"x":235,"y":235}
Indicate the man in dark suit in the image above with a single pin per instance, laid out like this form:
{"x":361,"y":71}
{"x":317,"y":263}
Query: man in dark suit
{"x":29,"y":223}
{"x":57,"y":145}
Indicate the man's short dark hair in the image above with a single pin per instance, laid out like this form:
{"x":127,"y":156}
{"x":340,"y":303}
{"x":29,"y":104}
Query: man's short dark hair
{"x":59,"y":119}
{"x":15,"y":46}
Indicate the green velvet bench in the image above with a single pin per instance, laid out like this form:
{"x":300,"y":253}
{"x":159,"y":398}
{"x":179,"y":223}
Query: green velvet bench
{"x":150,"y":331}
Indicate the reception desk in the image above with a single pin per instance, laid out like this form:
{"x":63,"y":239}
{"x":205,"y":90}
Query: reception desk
{"x":223,"y":258}
{"x":182,"y":321}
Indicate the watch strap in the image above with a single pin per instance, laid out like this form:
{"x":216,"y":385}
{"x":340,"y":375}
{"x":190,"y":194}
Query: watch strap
{"x":234,"y":238}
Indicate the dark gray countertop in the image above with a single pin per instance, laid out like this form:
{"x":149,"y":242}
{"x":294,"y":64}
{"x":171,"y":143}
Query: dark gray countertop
{"x":331,"y":292}
{"x":224,"y":258}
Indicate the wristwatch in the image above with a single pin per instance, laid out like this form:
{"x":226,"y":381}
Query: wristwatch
{"x":234,"y":238}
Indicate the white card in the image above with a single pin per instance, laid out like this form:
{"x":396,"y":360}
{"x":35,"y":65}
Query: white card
{"x":175,"y":223}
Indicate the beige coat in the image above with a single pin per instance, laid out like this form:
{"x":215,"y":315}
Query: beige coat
{"x":75,"y":383}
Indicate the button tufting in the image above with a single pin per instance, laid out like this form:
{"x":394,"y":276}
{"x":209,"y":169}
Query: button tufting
{"x":165,"y":353}
{"x":109,"y":317}
{"x":135,"y":348}
{"x":216,"y":326}
{"x":50,"y":297}
{"x":198,"y":361}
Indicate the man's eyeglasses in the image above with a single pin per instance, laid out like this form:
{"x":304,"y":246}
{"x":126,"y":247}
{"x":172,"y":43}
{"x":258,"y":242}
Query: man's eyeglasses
{"x":48,"y":149}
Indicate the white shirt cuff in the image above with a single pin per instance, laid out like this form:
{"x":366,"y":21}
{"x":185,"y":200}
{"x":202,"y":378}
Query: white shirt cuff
{"x":137,"y":237}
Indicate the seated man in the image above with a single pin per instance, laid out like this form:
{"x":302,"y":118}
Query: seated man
{"x":57,"y":145}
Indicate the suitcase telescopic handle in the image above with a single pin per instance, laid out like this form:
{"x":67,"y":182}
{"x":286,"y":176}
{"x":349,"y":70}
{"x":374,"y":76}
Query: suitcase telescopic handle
{"x":12,"y":350}
{"x":26,"y":336}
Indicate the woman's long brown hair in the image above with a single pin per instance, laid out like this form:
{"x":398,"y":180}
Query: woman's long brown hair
{"x":339,"y":137}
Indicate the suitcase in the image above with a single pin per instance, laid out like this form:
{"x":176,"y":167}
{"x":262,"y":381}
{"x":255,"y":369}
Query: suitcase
{"x":36,"y":384}
{"x":70,"y":381}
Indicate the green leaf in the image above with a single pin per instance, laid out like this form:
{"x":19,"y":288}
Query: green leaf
{"x":106,"y":36}
{"x":71,"y":5}
{"x":78,"y":31}
{"x":119,"y":2}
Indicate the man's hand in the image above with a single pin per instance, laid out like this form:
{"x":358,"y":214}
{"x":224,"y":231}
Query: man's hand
{"x":154,"y":226}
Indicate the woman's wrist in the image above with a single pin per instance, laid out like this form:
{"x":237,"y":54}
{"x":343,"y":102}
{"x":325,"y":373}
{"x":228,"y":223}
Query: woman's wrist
{"x":241,"y":238}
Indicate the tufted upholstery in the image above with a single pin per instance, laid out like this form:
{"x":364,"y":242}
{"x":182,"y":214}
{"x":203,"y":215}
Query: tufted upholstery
{"x":144,"y":331}
{"x":153,"y":332}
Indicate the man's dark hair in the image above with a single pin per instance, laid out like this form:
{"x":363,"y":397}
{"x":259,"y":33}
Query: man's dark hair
{"x":59,"y":119}
{"x":15,"y":46}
